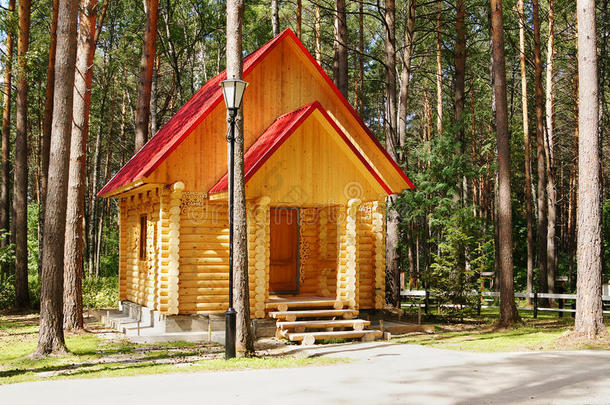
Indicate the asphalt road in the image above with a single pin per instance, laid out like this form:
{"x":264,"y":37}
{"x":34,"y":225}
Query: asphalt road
{"x":381,"y":373}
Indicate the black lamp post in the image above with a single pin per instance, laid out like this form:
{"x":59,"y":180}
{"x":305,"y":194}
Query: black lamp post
{"x":233,"y":92}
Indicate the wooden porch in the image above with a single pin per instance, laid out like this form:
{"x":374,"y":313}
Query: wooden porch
{"x":308,"y":319}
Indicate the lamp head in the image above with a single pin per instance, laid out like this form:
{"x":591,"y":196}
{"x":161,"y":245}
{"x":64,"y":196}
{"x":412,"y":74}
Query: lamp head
{"x":233,"y":92}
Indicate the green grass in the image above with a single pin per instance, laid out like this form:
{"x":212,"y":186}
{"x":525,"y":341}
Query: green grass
{"x":92,"y":356}
{"x":524,"y":338}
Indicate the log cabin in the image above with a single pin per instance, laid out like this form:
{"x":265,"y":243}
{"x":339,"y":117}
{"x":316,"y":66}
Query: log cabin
{"x":316,"y":180}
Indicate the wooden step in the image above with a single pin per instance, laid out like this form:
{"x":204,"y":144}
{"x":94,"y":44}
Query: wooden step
{"x":300,"y":326}
{"x":309,"y":338}
{"x":292,"y":316}
{"x":283,"y":304}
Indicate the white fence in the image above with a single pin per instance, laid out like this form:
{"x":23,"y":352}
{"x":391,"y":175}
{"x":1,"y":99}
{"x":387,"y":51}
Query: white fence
{"x":423,"y":298}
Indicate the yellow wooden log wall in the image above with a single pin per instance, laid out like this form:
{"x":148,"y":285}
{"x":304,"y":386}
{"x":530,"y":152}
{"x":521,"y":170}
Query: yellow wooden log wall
{"x":138,"y":278}
{"x":309,"y":261}
{"x":258,"y":258}
{"x":378,"y":230}
{"x":204,"y":255}
{"x":173,"y":270}
{"x":347,"y":272}
{"x":162,"y":299}
{"x":371,"y":256}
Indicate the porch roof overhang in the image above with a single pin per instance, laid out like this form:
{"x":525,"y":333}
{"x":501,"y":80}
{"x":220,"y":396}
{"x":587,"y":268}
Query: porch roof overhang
{"x":274,"y":136}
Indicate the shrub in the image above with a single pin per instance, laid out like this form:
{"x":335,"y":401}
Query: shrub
{"x":101,"y":292}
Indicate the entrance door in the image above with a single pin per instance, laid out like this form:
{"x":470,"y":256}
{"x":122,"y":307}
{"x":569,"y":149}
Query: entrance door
{"x":283,"y":272}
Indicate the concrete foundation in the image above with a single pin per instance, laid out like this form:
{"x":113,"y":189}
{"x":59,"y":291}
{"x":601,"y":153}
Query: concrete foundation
{"x":143,"y":325}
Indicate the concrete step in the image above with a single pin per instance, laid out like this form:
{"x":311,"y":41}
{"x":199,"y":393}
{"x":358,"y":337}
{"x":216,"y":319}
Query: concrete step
{"x":309,"y":338}
{"x":301,"y":326}
{"x":292,"y":316}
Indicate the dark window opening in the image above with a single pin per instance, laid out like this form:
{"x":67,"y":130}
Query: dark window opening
{"x":143,"y":238}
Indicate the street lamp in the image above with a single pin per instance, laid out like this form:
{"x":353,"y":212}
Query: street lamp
{"x":233,"y":92}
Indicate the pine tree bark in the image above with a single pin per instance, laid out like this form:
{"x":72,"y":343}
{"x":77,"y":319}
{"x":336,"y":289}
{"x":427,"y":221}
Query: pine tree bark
{"x":20,"y":185}
{"x":318,"y":34}
{"x":45,"y":140}
{"x":147,"y":62}
{"x":551,"y":191}
{"x":51,"y":336}
{"x":405,"y":77}
{"x":245,"y":338}
{"x":541,"y":224}
{"x":527,"y":150}
{"x":275,"y":17}
{"x":460,"y":67}
{"x":508,"y":309}
{"x":392,"y":146}
{"x":74,"y":244}
{"x":340,"y":45}
{"x":360,"y":102}
{"x":439,"y":69}
{"x":589,"y":316}
{"x":299,"y":17}
{"x":6,"y":136}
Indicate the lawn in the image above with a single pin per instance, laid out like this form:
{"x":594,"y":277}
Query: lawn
{"x":479,"y":334}
{"x":93,"y":355}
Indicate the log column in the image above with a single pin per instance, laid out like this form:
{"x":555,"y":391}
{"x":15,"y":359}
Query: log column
{"x":347,"y":275}
{"x":162,"y":276}
{"x":379,"y":242}
{"x":260,"y":243}
{"x":174,"y":247}
{"x":123,"y":244}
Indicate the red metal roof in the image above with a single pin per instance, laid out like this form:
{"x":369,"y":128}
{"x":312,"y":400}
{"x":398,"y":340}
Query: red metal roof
{"x":169,"y":137}
{"x":277,"y":133}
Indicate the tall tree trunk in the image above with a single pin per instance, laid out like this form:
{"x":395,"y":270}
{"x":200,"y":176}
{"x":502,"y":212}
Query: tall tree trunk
{"x":51,"y":337}
{"x":73,"y":250}
{"x":245,"y":338}
{"x":526,"y":142}
{"x":405,"y":77}
{"x":460,"y":81}
{"x":46,"y":129}
{"x":551,"y":192}
{"x":340,"y":45}
{"x":541,"y":191}
{"x":392,"y":145}
{"x":20,"y":186}
{"x":460,"y":68}
{"x":439,"y":69}
{"x":299,"y":16}
{"x":275,"y":17}
{"x":360,"y":103}
{"x":589,"y":316}
{"x":5,"y":208}
{"x":318,"y":33}
{"x":147,"y":63}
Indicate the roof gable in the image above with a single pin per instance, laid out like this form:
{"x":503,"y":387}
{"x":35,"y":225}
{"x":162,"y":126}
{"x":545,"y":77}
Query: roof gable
{"x":278,"y":133}
{"x":143,"y":166}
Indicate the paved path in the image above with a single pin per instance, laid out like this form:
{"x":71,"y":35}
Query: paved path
{"x":381,"y":373}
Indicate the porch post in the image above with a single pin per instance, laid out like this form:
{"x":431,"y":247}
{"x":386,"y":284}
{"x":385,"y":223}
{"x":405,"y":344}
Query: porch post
{"x":174,"y":247}
{"x":378,"y":221}
{"x":347,"y":275}
{"x":259,"y":250}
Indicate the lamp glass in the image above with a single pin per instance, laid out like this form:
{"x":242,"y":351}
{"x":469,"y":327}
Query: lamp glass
{"x":233,"y":92}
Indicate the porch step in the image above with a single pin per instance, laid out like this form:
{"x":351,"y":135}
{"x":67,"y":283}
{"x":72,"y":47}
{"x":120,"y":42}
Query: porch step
{"x":301,"y":326}
{"x":292,"y":316}
{"x":282,"y":304}
{"x":309,"y":338}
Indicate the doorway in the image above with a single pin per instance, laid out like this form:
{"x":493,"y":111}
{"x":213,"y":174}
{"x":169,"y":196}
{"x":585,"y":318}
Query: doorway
{"x":284,"y":250}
